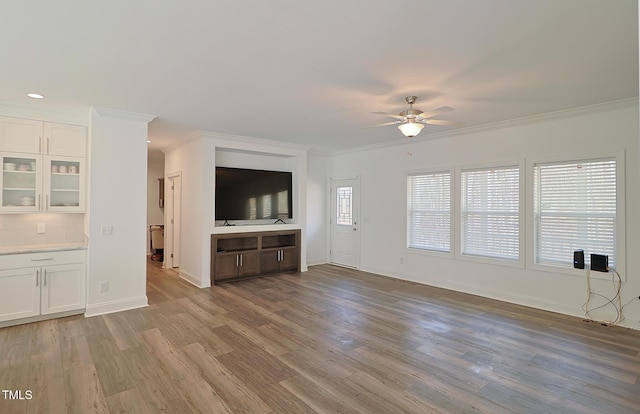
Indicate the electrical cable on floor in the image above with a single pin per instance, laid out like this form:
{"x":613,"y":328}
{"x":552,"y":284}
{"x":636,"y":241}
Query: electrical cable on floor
{"x":629,"y":301}
{"x":585,"y":306}
{"x":617,"y":287}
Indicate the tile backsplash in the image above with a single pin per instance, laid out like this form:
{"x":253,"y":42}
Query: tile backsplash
{"x":22,"y":229}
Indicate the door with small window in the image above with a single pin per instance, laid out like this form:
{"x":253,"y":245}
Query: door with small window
{"x":345,"y":234}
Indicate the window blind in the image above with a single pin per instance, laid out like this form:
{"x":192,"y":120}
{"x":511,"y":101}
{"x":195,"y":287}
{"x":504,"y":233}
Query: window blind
{"x":575,"y":208}
{"x":429,"y":211}
{"x":490,"y":212}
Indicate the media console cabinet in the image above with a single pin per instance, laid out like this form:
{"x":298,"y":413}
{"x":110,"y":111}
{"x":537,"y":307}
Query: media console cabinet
{"x":236,"y":256}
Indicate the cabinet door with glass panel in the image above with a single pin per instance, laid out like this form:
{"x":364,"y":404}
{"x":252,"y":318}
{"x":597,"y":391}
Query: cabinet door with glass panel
{"x":21,"y":182}
{"x":64,"y":184}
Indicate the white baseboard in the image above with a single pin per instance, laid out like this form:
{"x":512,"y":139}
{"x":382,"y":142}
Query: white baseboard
{"x":193,"y":279}
{"x":40,"y":318}
{"x":116,"y":306}
{"x":316,"y":262}
{"x":630,"y":321}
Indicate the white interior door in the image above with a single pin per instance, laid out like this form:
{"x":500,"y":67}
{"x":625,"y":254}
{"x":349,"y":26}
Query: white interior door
{"x":345,"y":236}
{"x":177,"y":207}
{"x":173,"y":205}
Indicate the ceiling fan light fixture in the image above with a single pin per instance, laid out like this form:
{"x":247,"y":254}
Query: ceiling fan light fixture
{"x":410,"y":129}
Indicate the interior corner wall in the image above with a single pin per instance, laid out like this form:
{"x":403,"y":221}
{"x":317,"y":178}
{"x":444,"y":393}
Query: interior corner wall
{"x":383,"y":205}
{"x":117,"y":198}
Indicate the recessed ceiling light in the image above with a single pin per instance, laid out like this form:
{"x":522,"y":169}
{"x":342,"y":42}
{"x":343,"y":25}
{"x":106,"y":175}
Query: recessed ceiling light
{"x":35,"y":95}
{"x":148,"y":142}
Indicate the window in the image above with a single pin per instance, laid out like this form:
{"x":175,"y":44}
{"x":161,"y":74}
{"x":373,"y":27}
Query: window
{"x":490,"y":212}
{"x":429,"y":211}
{"x":266,"y":206}
{"x":575,"y":208}
{"x":283,"y":204}
{"x":344,"y":215}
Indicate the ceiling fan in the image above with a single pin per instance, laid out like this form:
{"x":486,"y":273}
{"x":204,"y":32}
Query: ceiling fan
{"x":411,"y":121}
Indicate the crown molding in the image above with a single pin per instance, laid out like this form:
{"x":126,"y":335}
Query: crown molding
{"x":250,"y":140}
{"x":527,"y":120}
{"x":314,"y":152}
{"x":239,"y":143}
{"x":42,"y":112}
{"x":129,"y":116}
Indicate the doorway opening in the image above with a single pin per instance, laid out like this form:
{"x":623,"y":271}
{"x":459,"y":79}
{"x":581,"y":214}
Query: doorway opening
{"x":173,"y":207}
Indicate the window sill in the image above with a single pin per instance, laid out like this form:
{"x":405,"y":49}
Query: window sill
{"x":432,"y":253}
{"x":575,"y":272}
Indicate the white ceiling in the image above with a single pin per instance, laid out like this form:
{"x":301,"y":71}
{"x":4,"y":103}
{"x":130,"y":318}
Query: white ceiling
{"x":311,"y":72}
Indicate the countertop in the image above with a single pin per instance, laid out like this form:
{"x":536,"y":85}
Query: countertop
{"x":36,"y":248}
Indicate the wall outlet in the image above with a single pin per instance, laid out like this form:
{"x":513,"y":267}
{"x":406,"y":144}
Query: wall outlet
{"x":42,"y":228}
{"x":104,"y":286}
{"x":106,"y":230}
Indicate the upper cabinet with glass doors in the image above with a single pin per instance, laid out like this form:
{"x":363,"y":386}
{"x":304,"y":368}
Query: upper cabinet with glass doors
{"x":43,"y":166}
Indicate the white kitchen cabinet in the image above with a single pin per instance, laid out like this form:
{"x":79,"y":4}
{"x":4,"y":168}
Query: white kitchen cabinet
{"x":65,"y":140}
{"x":21,"y":182}
{"x":62,"y":288}
{"x":19,"y":294}
{"x":64,"y":184}
{"x":38,"y":137}
{"x":34,"y":285}
{"x":20,"y":135}
{"x":45,"y":171}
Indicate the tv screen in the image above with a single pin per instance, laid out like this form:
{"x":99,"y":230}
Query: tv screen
{"x":245,"y":194}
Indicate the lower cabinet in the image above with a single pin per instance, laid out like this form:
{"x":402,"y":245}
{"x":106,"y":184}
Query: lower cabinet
{"x":233,"y":265}
{"x":30,"y":289}
{"x":62,"y":288}
{"x":19,"y":294}
{"x":280,"y":260}
{"x":242,"y":255}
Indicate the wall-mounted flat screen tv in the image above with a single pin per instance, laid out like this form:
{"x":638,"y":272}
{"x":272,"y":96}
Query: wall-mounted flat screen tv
{"x":245,"y":194}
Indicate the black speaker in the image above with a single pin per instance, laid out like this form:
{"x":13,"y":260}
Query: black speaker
{"x":578,"y":259}
{"x":599,"y":262}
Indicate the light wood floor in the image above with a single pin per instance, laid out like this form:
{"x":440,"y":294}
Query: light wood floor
{"x":331,"y":340}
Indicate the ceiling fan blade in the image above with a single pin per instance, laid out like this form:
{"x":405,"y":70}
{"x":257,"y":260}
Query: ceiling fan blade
{"x":388,"y":114}
{"x":385,"y":124}
{"x":437,"y":111}
{"x":442,"y":122}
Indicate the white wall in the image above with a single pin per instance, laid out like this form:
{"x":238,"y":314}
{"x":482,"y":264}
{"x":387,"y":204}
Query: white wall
{"x":192,"y":160}
{"x":155,"y":214}
{"x":118,"y":198}
{"x":317,"y":220}
{"x":593,"y":131}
